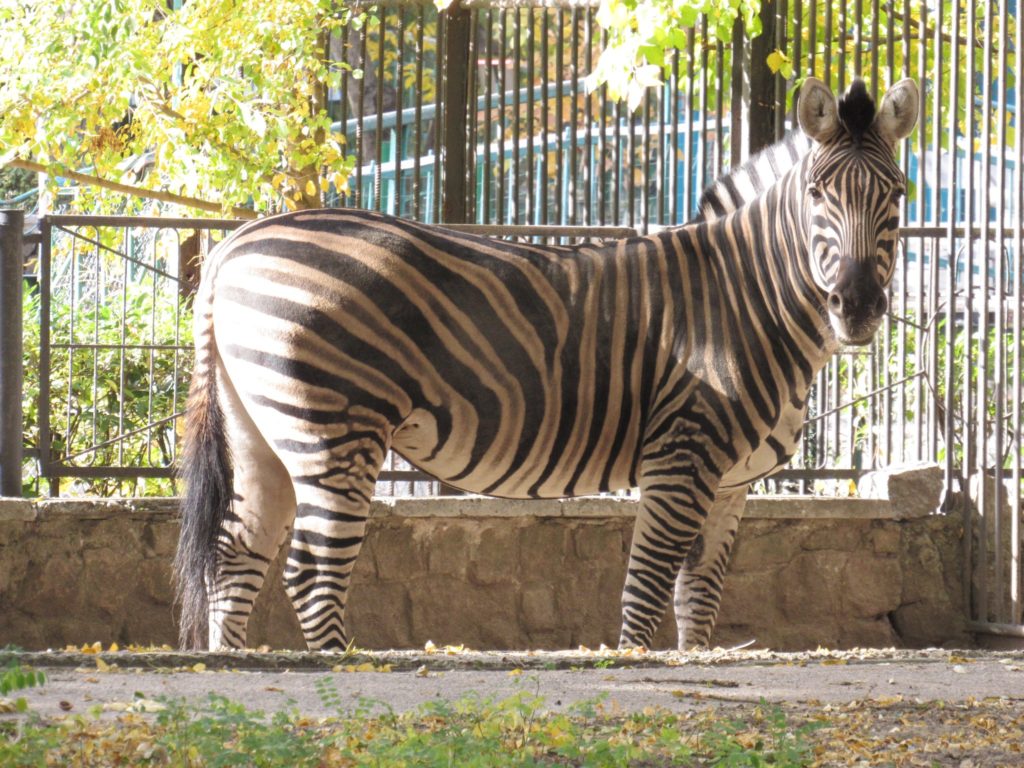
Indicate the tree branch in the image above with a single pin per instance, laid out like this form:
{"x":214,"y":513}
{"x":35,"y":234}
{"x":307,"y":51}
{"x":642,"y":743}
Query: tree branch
{"x":127,"y":189}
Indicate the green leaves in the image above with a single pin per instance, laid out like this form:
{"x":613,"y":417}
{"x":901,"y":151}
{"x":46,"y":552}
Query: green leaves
{"x":223,"y":92}
{"x":643,"y":36}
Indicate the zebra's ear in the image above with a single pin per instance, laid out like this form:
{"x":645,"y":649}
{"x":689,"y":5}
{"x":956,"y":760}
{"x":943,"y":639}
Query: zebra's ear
{"x":817,"y":110}
{"x":897,"y":116}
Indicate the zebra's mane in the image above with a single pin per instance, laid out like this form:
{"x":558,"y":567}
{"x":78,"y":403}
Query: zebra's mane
{"x":745,"y":182}
{"x":857,"y":110}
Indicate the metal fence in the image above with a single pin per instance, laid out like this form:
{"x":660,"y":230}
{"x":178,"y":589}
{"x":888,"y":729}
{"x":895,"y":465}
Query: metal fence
{"x":480,"y":115}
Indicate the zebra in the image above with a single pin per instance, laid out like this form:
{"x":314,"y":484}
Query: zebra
{"x":678,"y":363}
{"x":738,"y":186}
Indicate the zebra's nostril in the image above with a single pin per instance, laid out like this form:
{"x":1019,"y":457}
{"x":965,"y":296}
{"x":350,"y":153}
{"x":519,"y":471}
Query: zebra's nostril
{"x":835,"y":303}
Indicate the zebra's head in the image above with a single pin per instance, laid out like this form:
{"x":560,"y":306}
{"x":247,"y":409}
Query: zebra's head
{"x":852,"y":196}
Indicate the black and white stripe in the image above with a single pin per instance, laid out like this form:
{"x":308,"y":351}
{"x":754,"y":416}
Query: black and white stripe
{"x":678,"y":363}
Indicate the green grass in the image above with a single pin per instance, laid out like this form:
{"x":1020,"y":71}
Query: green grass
{"x":471,"y":732}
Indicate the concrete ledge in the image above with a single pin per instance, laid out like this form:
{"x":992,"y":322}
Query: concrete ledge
{"x":500,"y":574}
{"x":471,"y":507}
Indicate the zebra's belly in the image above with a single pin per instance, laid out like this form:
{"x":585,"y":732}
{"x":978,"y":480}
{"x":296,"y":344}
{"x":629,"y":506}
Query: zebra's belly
{"x":774,"y":451}
{"x":548,"y":471}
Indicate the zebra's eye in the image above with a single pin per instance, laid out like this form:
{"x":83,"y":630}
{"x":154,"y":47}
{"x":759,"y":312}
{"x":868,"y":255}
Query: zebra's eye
{"x":897,"y":194}
{"x":815,"y":192}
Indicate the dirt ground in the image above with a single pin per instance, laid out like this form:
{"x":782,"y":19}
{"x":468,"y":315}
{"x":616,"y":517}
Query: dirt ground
{"x":880,"y":707}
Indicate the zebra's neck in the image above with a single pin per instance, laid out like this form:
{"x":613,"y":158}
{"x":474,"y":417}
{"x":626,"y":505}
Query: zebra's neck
{"x":764,"y":244}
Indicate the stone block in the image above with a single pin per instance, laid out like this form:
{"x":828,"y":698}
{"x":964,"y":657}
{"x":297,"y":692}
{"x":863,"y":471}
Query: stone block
{"x":448,"y":548}
{"x":398,"y":552}
{"x":451,"y":611}
{"x":871,"y":587}
{"x":839,"y":536}
{"x":809,"y":587}
{"x":539,"y":612}
{"x":543,"y":547}
{"x":380,"y":616}
{"x":913,"y":490}
{"x":885,"y":538}
{"x":495,"y":558}
{"x":763,"y":545}
{"x":600,"y":543}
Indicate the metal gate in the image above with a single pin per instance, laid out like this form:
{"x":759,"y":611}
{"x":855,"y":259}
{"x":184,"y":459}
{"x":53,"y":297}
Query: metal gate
{"x":480,"y":114}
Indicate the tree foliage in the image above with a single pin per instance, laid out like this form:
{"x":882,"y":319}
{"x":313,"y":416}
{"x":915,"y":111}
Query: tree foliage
{"x":228,"y":96}
{"x":643,"y":35}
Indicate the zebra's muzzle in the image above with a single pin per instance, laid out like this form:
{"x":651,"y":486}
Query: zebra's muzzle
{"x":857,"y":302}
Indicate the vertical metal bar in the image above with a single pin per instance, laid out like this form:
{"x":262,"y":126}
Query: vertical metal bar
{"x":343,"y":198}
{"x":517,"y":56}
{"x":702,"y":162}
{"x":122,"y":378}
{"x":531,"y":52}
{"x":843,"y":27}
{"x":456,"y":97}
{"x":662,"y":153}
{"x":925,"y":292}
{"x":778,"y":81}
{"x":827,"y":69}
{"x":602,"y":174}
{"x":812,"y":43}
{"x":689,"y":194}
{"x":981,"y":403}
{"x":617,"y":165}
{"x":485,"y":212}
{"x":588,"y":102}
{"x":471,"y":116}
{"x":398,"y":151}
{"x":545,"y":113}
{"x":645,"y":163}
{"x":361,"y":109}
{"x":378,"y":134}
{"x":418,"y":119}
{"x":12,"y":261}
{"x":45,"y":359}
{"x":798,"y":53}
{"x":951,"y":297}
{"x":875,"y":21}
{"x":96,"y":351}
{"x":858,"y":43}
{"x":673,"y":150}
{"x":499,"y":202}
{"x":720,"y":107}
{"x":1016,"y":562}
{"x":999,"y":383}
{"x":440,"y":115}
{"x":574,"y":112}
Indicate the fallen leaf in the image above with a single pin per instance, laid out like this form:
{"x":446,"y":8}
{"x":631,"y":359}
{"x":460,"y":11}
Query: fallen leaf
{"x":65,"y":705}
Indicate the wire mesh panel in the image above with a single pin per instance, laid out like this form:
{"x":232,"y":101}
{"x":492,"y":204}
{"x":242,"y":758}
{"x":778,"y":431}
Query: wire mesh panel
{"x":482,"y":115}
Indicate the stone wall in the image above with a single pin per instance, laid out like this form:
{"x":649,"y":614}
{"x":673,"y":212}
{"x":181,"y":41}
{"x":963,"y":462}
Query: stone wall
{"x":492,"y":573}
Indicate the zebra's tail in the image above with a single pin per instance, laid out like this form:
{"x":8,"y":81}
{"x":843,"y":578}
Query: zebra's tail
{"x":206,"y":472}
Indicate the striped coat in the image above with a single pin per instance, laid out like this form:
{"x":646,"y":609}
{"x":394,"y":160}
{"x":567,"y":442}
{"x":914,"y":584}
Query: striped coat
{"x":678,"y":363}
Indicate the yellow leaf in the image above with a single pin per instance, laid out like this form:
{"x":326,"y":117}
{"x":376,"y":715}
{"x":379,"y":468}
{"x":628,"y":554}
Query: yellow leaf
{"x":515,"y":672}
{"x":310,"y":188}
{"x":199,"y":667}
{"x":101,"y":665}
{"x":114,"y":648}
{"x":430,"y":647}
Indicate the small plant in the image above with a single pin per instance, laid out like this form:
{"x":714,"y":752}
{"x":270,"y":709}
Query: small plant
{"x":17,"y":678}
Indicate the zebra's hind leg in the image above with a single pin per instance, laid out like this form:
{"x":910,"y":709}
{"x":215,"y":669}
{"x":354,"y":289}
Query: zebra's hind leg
{"x":334,"y":480}
{"x":701,"y":578}
{"x":253,"y":529}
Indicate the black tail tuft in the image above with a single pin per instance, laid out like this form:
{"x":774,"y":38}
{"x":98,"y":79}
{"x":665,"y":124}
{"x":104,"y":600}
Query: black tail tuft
{"x":206,"y":472}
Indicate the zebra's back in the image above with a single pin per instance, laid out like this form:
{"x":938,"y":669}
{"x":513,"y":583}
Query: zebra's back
{"x":492,"y":366}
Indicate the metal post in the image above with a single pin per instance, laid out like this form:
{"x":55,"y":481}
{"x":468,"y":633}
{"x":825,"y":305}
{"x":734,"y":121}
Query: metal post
{"x":11,"y":364}
{"x":456,"y":82}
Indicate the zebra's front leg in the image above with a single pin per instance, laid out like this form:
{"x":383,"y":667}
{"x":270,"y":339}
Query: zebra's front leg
{"x":701,"y":578}
{"x":333,"y":492}
{"x":672,"y":509}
